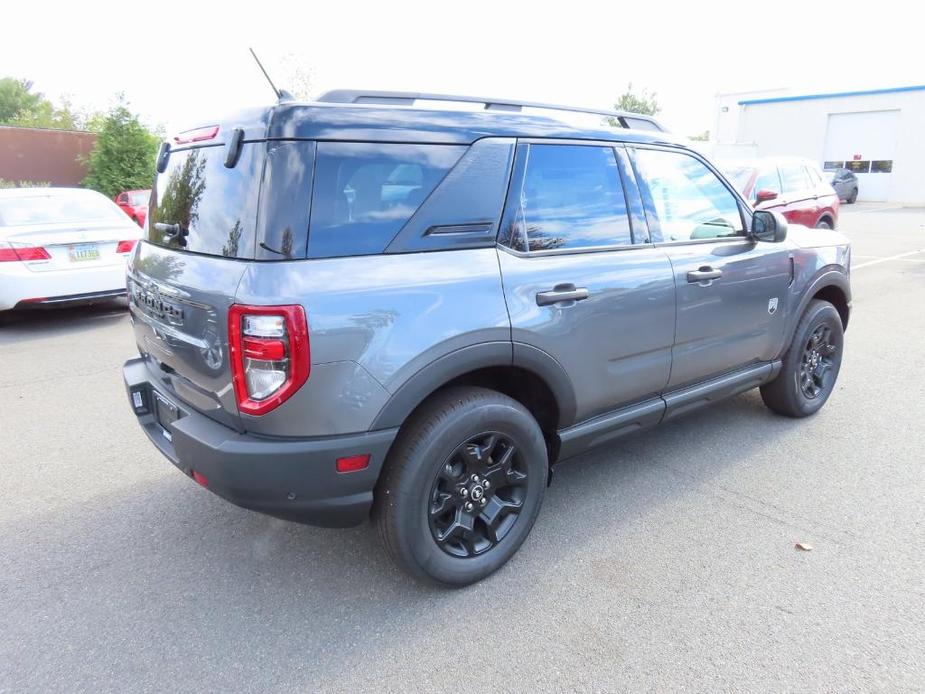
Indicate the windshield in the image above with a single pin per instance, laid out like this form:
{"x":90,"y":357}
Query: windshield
{"x":139,"y":197}
{"x":739,"y":176}
{"x":58,"y":208}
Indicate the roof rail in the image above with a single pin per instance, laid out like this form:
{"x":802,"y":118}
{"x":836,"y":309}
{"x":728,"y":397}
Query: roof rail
{"x":637,"y":121}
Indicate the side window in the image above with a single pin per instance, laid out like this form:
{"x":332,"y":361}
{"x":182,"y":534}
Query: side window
{"x":793,"y":177}
{"x":815,"y":180}
{"x":365,"y":192}
{"x":571,"y":197}
{"x":768,"y":180}
{"x":688,"y":199}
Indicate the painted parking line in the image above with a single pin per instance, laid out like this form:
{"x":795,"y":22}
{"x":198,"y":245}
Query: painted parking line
{"x":887,"y":259}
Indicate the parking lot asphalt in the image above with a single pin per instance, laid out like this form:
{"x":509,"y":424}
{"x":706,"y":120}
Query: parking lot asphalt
{"x":665,"y":561}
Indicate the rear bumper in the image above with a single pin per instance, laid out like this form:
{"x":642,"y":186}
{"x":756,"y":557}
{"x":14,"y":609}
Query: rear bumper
{"x":21,"y":286}
{"x":293,"y":479}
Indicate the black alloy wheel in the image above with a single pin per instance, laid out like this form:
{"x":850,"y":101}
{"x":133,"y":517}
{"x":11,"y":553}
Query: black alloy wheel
{"x":462,"y":485}
{"x":817,"y":366}
{"x":477,"y":495}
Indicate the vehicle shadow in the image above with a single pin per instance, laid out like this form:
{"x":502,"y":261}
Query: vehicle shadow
{"x":28,"y":324}
{"x":161,"y":581}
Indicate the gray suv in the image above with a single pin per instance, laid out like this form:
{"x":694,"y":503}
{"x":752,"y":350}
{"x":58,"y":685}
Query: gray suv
{"x":356,"y":308}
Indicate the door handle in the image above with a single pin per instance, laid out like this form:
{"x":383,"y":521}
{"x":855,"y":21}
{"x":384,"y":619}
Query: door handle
{"x":560,"y":293}
{"x":704,"y":274}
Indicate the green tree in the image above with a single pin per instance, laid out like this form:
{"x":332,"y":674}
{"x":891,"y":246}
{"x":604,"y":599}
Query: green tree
{"x":16,"y":97}
{"x":123,"y":157}
{"x":19,"y":105}
{"x":643,"y":102}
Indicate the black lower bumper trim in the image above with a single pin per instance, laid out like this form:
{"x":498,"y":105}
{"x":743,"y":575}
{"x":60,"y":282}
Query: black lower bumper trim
{"x":293,"y":479}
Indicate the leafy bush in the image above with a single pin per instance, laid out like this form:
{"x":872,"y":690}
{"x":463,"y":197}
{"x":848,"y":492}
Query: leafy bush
{"x":123,"y":157}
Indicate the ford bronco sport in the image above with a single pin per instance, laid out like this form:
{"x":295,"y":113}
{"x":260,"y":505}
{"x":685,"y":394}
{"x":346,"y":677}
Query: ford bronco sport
{"x":360,"y":307}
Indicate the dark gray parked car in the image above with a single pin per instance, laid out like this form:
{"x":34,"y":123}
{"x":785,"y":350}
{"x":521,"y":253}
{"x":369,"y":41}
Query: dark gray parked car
{"x":845,"y":183}
{"x":348,"y":308}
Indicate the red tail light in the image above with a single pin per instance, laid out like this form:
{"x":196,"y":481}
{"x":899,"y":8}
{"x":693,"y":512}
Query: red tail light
{"x":23,"y":253}
{"x":126,"y":246}
{"x":270,"y":355}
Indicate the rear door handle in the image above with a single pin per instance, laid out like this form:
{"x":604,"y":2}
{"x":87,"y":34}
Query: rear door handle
{"x":560,"y":293}
{"x":704,"y":274}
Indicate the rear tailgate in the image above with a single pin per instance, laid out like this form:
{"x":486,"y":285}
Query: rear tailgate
{"x":182,"y":281}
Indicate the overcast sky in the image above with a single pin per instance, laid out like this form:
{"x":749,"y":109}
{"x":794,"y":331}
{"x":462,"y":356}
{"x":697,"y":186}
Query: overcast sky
{"x":183,"y":63}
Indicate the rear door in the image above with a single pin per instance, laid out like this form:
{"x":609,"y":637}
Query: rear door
{"x":729,"y":287}
{"x":576,"y":285}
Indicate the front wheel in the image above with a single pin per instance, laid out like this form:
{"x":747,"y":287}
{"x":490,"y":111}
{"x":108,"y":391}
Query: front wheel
{"x":462,"y":486}
{"x":810,"y":367}
{"x":823,"y":224}
{"x":853,"y":197}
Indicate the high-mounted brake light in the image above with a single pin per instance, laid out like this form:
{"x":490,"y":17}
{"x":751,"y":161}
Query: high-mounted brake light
{"x":126,"y":246}
{"x":8,"y":254}
{"x":198,"y":135}
{"x":270,"y":355}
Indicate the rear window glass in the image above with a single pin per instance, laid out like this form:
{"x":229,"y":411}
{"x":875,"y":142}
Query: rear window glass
{"x":572,"y":197}
{"x":77,"y":207}
{"x":214,"y":207}
{"x":365,"y":192}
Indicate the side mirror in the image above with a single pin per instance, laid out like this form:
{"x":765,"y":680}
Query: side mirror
{"x":768,"y":226}
{"x":764,"y":195}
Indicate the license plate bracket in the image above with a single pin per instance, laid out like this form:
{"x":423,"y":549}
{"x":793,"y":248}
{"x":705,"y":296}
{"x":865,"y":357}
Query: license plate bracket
{"x":82,"y":252}
{"x":166,"y":414}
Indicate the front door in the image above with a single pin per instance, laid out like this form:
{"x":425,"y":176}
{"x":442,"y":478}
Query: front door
{"x":730,"y":289}
{"x":576,"y":285}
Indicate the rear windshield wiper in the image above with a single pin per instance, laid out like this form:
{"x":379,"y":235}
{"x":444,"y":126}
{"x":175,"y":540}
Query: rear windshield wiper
{"x":171,"y":231}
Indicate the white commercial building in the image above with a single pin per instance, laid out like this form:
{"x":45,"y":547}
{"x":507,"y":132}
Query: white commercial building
{"x":879,"y":134}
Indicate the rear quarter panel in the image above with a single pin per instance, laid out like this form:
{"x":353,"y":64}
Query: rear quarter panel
{"x":374,"y":321}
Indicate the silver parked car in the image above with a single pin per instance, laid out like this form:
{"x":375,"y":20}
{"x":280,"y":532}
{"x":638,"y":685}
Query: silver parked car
{"x":845,"y":184}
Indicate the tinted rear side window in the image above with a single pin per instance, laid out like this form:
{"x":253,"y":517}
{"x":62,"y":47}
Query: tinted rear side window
{"x":571,"y":197}
{"x":794,"y":177}
{"x":214,"y":206}
{"x":365,"y":192}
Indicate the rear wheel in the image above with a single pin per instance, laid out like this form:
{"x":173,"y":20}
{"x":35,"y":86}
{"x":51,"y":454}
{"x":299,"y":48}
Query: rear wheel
{"x":462,"y":486}
{"x":823,"y":224}
{"x":810,"y":367}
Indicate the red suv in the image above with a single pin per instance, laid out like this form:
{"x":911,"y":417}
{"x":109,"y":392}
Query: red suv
{"x":135,"y":204}
{"x":794,"y":187}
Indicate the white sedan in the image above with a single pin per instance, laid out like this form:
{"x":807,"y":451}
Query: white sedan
{"x":61,"y":246}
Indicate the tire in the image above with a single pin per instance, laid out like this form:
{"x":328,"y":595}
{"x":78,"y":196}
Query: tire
{"x":419,"y":498}
{"x":853,"y":198}
{"x":790,"y":394}
{"x":823,"y":224}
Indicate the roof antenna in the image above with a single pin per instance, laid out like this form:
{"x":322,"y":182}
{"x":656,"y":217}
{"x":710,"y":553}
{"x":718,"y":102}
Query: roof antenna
{"x":281,"y":94}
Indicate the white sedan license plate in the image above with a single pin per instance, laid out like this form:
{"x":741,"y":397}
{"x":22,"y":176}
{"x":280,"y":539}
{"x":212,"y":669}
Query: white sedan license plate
{"x":83,"y":251}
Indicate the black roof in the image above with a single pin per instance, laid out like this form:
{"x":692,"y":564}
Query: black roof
{"x":376,"y":123}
